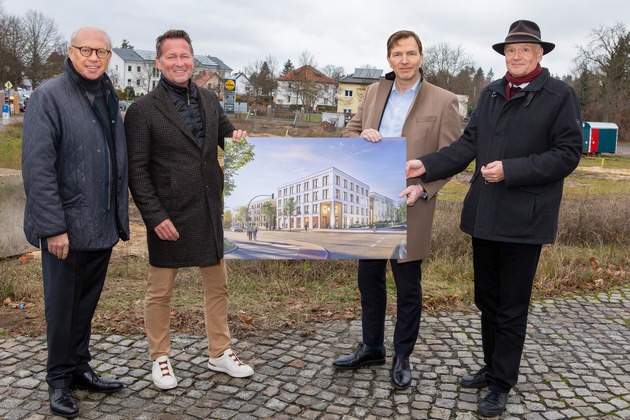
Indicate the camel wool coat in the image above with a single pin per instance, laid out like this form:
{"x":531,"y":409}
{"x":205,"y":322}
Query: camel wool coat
{"x":433,"y":122}
{"x":171,"y":177}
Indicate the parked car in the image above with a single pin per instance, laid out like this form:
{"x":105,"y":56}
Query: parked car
{"x":236,"y":228}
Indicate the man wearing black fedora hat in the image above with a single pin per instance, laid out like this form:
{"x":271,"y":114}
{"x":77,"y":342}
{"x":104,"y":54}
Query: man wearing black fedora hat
{"x":526,"y":137}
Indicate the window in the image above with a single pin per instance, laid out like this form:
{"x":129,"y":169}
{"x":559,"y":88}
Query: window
{"x":345,"y":196}
{"x":297,"y":188}
{"x":315,"y":196}
{"x":324,"y":194}
{"x":315,"y":183}
{"x":306,"y":186}
{"x":138,"y":82}
{"x":138,"y":69}
{"x":128,"y":82}
{"x":337,"y":180}
{"x":305,"y":209}
{"x":116,"y":66}
{"x":128,"y":68}
{"x":337,"y":194}
{"x":325,"y":180}
{"x":291,"y":190}
{"x":306,"y":198}
{"x":345,"y":183}
{"x":347,"y":110}
{"x":347,"y":93}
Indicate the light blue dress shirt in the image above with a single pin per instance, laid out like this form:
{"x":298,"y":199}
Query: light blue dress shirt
{"x":396,"y":111}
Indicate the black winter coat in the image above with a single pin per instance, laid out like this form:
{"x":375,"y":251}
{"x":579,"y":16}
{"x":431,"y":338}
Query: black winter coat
{"x":75,"y":180}
{"x":537,"y":135}
{"x":171,"y":177}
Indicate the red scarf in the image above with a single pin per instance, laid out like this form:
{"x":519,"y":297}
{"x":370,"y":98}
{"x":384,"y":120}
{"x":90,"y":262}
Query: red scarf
{"x":520,"y":80}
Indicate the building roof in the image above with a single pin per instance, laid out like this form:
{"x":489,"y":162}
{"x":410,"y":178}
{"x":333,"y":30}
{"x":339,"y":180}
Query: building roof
{"x":127,"y":54}
{"x":146,"y":54}
{"x":363,"y":76}
{"x":203,"y":77}
{"x":305,"y":73}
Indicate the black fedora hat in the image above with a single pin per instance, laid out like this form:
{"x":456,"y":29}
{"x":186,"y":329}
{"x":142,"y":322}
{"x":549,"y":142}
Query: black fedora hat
{"x":523,"y":31}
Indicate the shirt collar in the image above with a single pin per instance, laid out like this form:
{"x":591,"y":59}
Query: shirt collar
{"x":413,"y":89}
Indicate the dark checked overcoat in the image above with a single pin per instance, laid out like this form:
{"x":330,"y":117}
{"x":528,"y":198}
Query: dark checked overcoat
{"x":172,"y":177}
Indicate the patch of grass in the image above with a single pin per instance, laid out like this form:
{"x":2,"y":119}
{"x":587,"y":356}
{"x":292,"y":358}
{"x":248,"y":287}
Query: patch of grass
{"x":591,"y":254}
{"x":11,"y":147}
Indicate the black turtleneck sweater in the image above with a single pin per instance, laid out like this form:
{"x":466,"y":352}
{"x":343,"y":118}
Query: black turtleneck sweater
{"x":186,"y":100}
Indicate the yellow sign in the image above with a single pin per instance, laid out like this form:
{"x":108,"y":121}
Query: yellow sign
{"x":8,"y":85}
{"x":230,"y":84}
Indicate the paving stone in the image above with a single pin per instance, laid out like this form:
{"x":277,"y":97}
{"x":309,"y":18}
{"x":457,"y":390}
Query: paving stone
{"x":576,"y":364}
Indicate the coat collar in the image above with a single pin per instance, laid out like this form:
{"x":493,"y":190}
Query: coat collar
{"x":167,"y":108}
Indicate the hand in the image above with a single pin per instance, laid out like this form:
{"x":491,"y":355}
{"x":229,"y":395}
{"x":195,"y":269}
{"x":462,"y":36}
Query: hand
{"x":166,"y":231}
{"x":239,"y":135}
{"x":414,"y":168}
{"x":371,"y":135}
{"x":413,"y":193}
{"x":493,"y":172}
{"x":59,"y":246}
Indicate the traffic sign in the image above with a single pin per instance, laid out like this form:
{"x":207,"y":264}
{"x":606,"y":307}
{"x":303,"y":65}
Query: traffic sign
{"x":230,"y":84}
{"x":8,"y":85}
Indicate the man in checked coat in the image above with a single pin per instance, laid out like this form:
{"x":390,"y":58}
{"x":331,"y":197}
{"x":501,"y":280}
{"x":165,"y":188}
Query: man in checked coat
{"x":177,"y":184}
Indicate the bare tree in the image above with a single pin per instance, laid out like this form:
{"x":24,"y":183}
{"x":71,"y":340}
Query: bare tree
{"x":262,"y":77}
{"x":605,"y":62}
{"x":11,"y":47}
{"x":334,"y":72}
{"x":41,"y":39}
{"x":307,"y":58}
{"x":443,"y":62}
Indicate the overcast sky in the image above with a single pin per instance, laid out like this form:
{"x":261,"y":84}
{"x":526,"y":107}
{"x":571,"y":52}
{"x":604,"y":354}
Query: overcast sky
{"x":345,"y":33}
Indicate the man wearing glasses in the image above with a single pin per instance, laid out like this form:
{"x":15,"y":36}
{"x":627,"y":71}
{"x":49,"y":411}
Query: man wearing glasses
{"x":74,"y":164}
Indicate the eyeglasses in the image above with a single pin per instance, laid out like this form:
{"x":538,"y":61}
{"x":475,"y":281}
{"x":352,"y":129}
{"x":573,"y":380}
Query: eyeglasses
{"x":87,"y":51}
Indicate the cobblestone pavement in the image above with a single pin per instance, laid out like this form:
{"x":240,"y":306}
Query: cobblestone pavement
{"x":576,"y":364}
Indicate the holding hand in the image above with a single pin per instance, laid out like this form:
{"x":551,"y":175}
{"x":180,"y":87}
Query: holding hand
{"x":414,"y":168}
{"x":413,"y":193}
{"x":371,"y":135}
{"x":239,"y":135}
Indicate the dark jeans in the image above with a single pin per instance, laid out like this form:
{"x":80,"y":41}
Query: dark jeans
{"x":372,"y":285}
{"x":72,"y":288}
{"x":504,"y":276}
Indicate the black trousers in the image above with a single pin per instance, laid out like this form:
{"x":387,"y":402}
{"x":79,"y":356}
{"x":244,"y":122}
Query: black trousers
{"x":372,"y":285}
{"x":72,"y":288}
{"x":504,"y":276}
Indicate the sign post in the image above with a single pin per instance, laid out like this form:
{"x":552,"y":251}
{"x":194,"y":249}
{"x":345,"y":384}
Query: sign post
{"x":229,"y":96}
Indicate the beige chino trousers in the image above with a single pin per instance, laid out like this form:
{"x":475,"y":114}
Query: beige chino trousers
{"x":157,"y":309}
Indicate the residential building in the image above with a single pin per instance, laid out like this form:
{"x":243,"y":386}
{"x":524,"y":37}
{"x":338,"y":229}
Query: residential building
{"x":352,"y":89}
{"x":328,"y":199}
{"x":243,"y":85}
{"x":211,"y":81}
{"x":260,"y":216}
{"x":308,"y":87}
{"x":382,"y":209}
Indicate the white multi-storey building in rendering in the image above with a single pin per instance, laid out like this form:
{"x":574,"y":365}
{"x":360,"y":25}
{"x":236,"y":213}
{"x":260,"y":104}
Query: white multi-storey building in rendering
{"x":329,"y":199}
{"x":383,"y":209}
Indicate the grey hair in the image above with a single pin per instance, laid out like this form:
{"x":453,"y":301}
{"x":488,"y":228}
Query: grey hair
{"x":75,"y":33}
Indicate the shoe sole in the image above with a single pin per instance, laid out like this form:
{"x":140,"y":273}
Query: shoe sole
{"x":368,"y":363}
{"x":494,"y":413}
{"x":65,"y":416}
{"x":165,"y":387}
{"x":233,"y":375}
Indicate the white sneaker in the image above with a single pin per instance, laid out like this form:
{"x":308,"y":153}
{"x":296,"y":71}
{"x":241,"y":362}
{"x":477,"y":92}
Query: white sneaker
{"x":230,"y":364}
{"x":162,"y":373}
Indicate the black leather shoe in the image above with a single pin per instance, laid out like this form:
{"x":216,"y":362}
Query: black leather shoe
{"x":362,"y":356}
{"x":401,"y":372}
{"x":62,"y":403}
{"x":493,"y":404}
{"x":92,"y":382}
{"x":478,"y":380}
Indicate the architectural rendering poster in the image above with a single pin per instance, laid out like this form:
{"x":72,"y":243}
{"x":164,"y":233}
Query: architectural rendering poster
{"x":315,"y":198}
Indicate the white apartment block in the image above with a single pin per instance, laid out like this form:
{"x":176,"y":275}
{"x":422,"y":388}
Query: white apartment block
{"x":329,"y":199}
{"x":383,"y":209}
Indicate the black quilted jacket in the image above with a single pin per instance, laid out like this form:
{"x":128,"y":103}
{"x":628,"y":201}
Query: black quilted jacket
{"x":75,"y":181}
